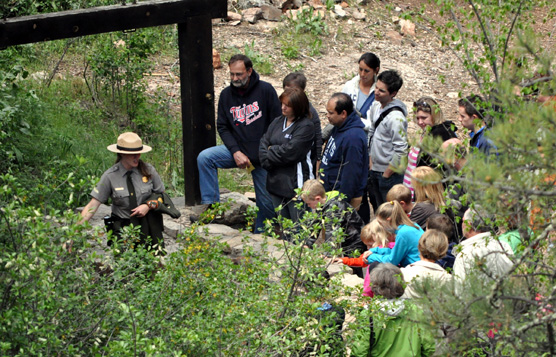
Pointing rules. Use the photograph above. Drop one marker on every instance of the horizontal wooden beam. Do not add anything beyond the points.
(76, 23)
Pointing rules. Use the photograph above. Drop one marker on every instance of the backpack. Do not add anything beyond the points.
(381, 118)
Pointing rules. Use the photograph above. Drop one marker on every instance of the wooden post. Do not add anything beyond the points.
(197, 98)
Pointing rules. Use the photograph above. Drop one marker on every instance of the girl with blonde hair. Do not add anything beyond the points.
(429, 194)
(393, 218)
(376, 238)
(379, 241)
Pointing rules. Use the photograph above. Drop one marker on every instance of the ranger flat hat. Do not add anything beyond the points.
(129, 143)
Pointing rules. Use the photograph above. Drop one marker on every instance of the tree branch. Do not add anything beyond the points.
(532, 82)
(487, 35)
(472, 71)
(505, 52)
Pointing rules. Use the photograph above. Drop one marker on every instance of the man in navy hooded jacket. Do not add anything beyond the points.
(245, 110)
(345, 161)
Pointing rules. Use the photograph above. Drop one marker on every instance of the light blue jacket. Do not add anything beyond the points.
(406, 249)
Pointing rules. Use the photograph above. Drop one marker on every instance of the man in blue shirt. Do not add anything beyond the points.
(471, 116)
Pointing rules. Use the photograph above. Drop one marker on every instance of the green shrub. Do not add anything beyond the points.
(309, 21)
(262, 63)
(199, 302)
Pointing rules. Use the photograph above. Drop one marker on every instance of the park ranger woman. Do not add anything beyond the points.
(136, 191)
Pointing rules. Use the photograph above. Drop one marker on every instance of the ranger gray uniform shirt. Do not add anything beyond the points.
(113, 183)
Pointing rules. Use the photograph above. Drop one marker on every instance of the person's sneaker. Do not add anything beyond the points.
(197, 212)
(200, 209)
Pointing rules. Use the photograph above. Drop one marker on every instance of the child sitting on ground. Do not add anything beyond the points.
(402, 194)
(393, 218)
(444, 224)
(378, 241)
(334, 214)
(425, 274)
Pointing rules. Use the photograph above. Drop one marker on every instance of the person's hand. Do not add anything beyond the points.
(370, 163)
(389, 172)
(337, 260)
(140, 211)
(366, 254)
(242, 161)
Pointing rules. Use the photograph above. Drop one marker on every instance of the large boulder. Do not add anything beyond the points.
(253, 14)
(235, 215)
(271, 13)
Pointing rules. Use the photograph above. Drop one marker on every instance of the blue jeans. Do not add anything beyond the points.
(379, 186)
(219, 157)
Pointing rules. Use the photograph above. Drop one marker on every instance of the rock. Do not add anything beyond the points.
(398, 9)
(233, 16)
(216, 62)
(234, 23)
(172, 228)
(39, 76)
(236, 213)
(247, 4)
(234, 244)
(250, 195)
(352, 281)
(394, 37)
(289, 4)
(271, 13)
(334, 269)
(280, 3)
(292, 14)
(339, 11)
(344, 4)
(452, 95)
(358, 15)
(407, 27)
(395, 19)
(217, 230)
(316, 4)
(253, 14)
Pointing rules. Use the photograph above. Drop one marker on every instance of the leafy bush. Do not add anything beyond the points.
(118, 63)
(308, 20)
(262, 63)
(199, 301)
(302, 32)
(17, 105)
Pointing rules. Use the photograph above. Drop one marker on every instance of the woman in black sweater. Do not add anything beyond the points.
(428, 116)
(285, 151)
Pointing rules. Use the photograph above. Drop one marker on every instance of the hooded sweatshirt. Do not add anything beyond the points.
(396, 331)
(245, 114)
(389, 140)
(344, 162)
(405, 250)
